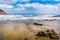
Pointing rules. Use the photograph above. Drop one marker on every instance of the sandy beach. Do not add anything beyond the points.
(21, 29)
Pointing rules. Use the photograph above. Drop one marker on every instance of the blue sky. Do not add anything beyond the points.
(42, 7)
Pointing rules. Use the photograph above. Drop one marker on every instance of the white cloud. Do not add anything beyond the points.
(40, 8)
(43, 9)
(8, 1)
(48, 9)
(23, 0)
(13, 1)
(2, 6)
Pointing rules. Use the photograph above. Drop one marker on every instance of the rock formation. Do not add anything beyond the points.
(2, 12)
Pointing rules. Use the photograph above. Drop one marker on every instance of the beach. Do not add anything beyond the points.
(22, 29)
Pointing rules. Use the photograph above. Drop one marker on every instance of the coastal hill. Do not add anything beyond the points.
(2, 12)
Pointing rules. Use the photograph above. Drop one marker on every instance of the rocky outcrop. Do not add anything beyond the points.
(2, 12)
(48, 34)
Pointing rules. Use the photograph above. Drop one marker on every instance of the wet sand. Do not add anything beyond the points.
(21, 29)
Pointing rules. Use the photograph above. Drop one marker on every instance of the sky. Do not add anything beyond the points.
(31, 7)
